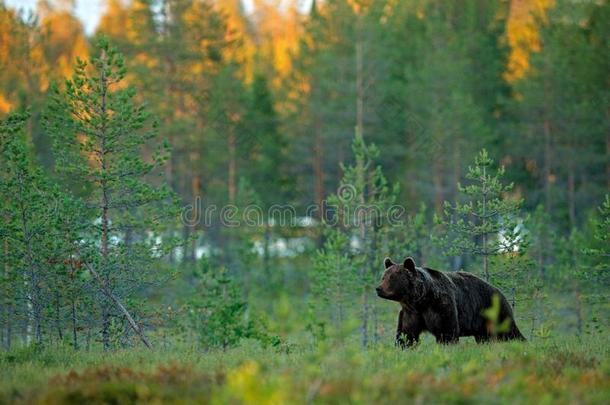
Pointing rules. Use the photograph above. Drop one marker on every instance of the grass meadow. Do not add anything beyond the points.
(544, 371)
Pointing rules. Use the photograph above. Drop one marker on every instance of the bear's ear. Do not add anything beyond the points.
(409, 264)
(387, 262)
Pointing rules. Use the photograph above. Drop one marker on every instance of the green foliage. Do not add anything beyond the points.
(492, 314)
(26, 222)
(486, 223)
(218, 312)
(560, 115)
(334, 279)
(602, 236)
(254, 120)
(99, 136)
(267, 146)
(349, 260)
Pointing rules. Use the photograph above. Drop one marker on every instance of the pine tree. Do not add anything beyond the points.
(560, 112)
(98, 135)
(334, 279)
(486, 223)
(602, 230)
(597, 248)
(442, 117)
(218, 312)
(26, 219)
(362, 202)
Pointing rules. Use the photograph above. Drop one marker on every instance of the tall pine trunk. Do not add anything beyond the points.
(437, 181)
(105, 219)
(484, 223)
(8, 304)
(232, 169)
(608, 155)
(32, 271)
(547, 166)
(362, 180)
(571, 194)
(58, 326)
(74, 324)
(318, 169)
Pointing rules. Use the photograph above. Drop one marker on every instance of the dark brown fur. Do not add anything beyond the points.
(448, 305)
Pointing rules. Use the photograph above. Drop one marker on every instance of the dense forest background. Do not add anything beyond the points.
(184, 186)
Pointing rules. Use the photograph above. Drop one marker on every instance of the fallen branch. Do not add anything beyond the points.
(118, 303)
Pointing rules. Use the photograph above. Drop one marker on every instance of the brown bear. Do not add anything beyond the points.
(448, 305)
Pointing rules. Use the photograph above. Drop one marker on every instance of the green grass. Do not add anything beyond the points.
(558, 370)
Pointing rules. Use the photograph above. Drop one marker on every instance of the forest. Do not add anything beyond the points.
(197, 198)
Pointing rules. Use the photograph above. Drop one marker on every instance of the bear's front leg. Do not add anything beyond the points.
(410, 326)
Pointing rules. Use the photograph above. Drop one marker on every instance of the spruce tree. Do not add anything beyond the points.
(485, 222)
(99, 134)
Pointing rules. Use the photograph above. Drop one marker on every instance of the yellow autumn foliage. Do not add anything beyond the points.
(115, 20)
(522, 34)
(248, 386)
(5, 105)
(64, 42)
(278, 31)
(243, 49)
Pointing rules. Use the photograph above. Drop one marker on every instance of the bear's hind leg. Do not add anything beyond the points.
(447, 338)
(447, 329)
(513, 334)
(482, 339)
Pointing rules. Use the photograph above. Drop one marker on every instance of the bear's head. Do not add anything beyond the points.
(400, 282)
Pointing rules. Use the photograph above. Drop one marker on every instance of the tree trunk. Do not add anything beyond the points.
(60, 335)
(571, 195)
(371, 257)
(186, 247)
(266, 253)
(547, 166)
(318, 169)
(105, 219)
(196, 194)
(359, 88)
(362, 180)
(363, 271)
(74, 326)
(108, 292)
(8, 304)
(231, 179)
(484, 223)
(457, 169)
(608, 157)
(437, 181)
(32, 270)
(578, 297)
